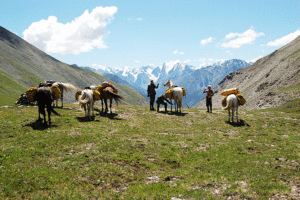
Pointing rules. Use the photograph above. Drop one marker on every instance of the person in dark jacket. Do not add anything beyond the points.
(151, 93)
(209, 94)
(162, 100)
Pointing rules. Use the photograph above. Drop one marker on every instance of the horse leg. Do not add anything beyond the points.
(44, 114)
(93, 107)
(237, 115)
(89, 110)
(180, 104)
(40, 111)
(232, 116)
(84, 108)
(102, 104)
(110, 105)
(49, 109)
(62, 97)
(229, 115)
(106, 109)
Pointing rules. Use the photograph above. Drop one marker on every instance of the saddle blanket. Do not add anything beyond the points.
(241, 100)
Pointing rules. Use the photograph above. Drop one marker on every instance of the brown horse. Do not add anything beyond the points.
(108, 91)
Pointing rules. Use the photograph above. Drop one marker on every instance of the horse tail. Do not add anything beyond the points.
(84, 98)
(229, 102)
(66, 86)
(115, 97)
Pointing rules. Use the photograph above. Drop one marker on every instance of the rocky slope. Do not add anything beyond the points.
(269, 82)
(23, 66)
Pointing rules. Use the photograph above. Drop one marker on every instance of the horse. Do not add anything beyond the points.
(86, 100)
(62, 86)
(177, 95)
(44, 98)
(232, 104)
(108, 91)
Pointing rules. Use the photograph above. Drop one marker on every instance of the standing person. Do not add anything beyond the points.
(162, 100)
(209, 94)
(151, 93)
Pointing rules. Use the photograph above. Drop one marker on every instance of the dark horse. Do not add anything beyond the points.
(44, 98)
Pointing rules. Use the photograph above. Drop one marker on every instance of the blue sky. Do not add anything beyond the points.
(118, 33)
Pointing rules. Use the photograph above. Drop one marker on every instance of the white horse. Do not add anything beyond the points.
(68, 87)
(86, 99)
(232, 104)
(176, 95)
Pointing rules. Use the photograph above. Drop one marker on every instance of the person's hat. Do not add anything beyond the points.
(209, 86)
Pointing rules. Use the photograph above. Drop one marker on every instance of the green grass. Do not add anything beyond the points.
(149, 155)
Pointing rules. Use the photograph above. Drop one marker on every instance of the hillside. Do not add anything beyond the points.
(23, 66)
(269, 82)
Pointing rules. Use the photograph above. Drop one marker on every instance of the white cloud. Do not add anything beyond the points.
(210, 59)
(285, 39)
(83, 34)
(137, 61)
(202, 60)
(230, 53)
(248, 37)
(186, 61)
(176, 52)
(135, 19)
(206, 41)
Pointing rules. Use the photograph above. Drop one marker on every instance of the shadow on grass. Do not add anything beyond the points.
(87, 119)
(39, 125)
(175, 113)
(64, 108)
(238, 124)
(108, 115)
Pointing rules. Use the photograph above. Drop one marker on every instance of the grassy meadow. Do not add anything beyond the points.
(138, 154)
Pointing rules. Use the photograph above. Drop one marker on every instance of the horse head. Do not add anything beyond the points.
(168, 83)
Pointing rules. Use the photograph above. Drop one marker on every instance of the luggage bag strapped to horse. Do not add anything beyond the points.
(96, 95)
(31, 92)
(241, 99)
(169, 92)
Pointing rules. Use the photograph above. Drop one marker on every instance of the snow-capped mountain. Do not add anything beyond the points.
(193, 79)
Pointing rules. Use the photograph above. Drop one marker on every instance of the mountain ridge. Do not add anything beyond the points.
(181, 74)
